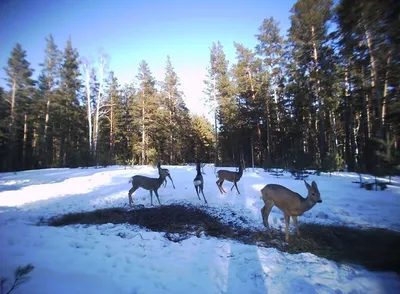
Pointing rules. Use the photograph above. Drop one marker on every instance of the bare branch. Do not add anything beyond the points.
(107, 117)
(140, 236)
(104, 112)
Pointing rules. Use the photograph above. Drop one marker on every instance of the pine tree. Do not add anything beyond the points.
(127, 128)
(173, 99)
(70, 111)
(388, 158)
(221, 100)
(18, 78)
(112, 99)
(146, 108)
(203, 138)
(4, 130)
(49, 80)
(271, 48)
(250, 81)
(308, 37)
(367, 38)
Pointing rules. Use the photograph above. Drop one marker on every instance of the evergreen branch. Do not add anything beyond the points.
(21, 276)
(7, 100)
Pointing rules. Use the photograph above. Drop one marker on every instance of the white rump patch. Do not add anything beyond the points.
(197, 183)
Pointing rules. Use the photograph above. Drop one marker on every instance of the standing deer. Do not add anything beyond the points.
(198, 182)
(291, 203)
(151, 184)
(167, 174)
(229, 176)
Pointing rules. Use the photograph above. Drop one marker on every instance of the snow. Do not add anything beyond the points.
(127, 259)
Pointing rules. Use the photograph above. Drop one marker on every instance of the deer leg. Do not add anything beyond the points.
(171, 181)
(222, 188)
(219, 186)
(197, 191)
(236, 187)
(155, 191)
(287, 224)
(296, 224)
(265, 211)
(262, 214)
(151, 197)
(201, 189)
(131, 191)
(165, 183)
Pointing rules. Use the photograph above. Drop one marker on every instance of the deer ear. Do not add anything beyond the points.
(307, 185)
(314, 185)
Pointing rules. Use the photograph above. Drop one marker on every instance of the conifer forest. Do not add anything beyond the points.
(324, 95)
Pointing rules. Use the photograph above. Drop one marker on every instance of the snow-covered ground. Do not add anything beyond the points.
(126, 259)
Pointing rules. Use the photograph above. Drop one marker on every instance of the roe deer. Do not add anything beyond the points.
(167, 174)
(198, 182)
(291, 203)
(229, 176)
(151, 184)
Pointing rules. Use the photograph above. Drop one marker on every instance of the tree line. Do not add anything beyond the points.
(324, 96)
(77, 114)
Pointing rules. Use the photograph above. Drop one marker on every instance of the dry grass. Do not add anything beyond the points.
(376, 249)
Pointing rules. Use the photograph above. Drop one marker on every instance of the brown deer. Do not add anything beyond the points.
(151, 184)
(229, 176)
(291, 203)
(167, 173)
(198, 182)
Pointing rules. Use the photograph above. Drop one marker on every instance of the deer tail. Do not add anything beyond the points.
(130, 180)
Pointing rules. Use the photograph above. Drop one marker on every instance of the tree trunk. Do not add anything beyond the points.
(268, 120)
(171, 136)
(143, 133)
(98, 106)
(215, 125)
(35, 143)
(111, 152)
(334, 140)
(374, 78)
(55, 146)
(12, 125)
(46, 121)
(385, 87)
(253, 96)
(62, 150)
(319, 99)
(312, 131)
(358, 137)
(349, 130)
(25, 141)
(89, 110)
(366, 121)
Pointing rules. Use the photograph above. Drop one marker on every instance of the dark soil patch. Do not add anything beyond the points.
(375, 249)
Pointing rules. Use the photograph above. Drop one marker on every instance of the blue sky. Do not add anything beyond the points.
(130, 31)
